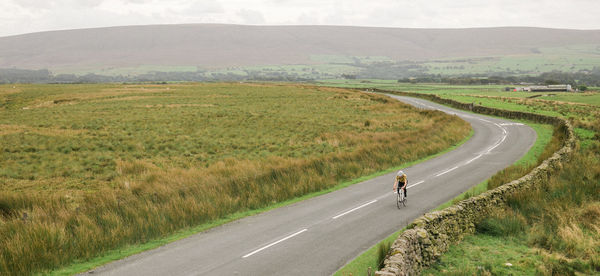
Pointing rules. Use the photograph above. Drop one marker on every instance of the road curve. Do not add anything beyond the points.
(319, 235)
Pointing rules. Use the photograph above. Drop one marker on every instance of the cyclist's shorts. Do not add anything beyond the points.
(400, 185)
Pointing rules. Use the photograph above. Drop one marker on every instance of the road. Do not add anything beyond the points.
(319, 235)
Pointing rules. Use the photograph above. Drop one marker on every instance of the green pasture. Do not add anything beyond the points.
(565, 58)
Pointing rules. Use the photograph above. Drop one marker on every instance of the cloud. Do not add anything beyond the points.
(251, 16)
(23, 16)
(49, 4)
(203, 7)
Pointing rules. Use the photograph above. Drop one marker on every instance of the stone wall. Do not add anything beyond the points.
(430, 235)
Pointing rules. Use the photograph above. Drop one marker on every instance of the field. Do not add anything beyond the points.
(582, 108)
(570, 58)
(89, 168)
(550, 230)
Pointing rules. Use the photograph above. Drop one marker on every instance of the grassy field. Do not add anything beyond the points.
(566, 58)
(86, 169)
(570, 58)
(550, 230)
(124, 71)
(582, 108)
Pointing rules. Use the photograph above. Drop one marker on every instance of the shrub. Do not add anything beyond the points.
(382, 251)
(502, 225)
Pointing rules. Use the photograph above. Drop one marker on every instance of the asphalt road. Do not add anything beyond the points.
(319, 235)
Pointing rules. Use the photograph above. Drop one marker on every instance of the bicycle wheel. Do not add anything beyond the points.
(399, 199)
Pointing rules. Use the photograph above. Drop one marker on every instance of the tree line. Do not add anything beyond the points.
(582, 78)
(404, 73)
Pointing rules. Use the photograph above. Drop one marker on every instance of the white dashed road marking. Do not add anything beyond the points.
(420, 182)
(446, 171)
(354, 209)
(274, 243)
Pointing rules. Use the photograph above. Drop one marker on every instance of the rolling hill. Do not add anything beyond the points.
(239, 49)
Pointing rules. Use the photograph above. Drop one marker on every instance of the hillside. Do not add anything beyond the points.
(214, 46)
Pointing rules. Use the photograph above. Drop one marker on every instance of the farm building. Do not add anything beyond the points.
(542, 88)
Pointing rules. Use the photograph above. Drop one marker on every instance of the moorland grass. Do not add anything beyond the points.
(119, 253)
(91, 168)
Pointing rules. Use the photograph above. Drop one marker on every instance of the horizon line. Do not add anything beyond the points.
(295, 25)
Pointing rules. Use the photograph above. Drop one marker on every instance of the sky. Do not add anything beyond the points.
(27, 16)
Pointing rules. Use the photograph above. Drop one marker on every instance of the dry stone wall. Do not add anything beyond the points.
(430, 235)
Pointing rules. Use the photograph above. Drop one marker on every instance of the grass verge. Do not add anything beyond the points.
(486, 255)
(369, 259)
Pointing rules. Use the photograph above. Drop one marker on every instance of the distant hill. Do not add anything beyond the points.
(221, 46)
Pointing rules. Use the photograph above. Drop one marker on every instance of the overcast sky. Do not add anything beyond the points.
(26, 16)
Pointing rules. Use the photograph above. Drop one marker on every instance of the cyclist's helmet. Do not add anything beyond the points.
(400, 173)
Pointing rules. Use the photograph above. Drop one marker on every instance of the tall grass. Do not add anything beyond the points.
(133, 192)
(558, 221)
(382, 252)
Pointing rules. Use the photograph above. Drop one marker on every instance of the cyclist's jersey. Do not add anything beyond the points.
(401, 178)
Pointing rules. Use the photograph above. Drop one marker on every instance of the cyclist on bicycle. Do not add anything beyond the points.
(400, 182)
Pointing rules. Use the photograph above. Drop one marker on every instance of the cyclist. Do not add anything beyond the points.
(400, 182)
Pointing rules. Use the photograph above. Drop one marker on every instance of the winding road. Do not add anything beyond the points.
(319, 235)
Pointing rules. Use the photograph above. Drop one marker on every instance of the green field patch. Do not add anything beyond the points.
(485, 255)
(124, 71)
(571, 58)
(340, 59)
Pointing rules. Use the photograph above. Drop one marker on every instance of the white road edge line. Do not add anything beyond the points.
(503, 129)
(496, 145)
(274, 243)
(501, 140)
(447, 171)
(420, 182)
(354, 209)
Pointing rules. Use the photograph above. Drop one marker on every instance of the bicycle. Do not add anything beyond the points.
(400, 199)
